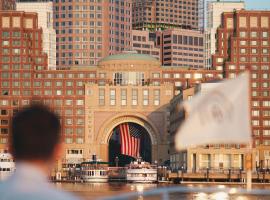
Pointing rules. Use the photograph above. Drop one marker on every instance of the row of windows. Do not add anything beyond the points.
(264, 132)
(134, 97)
(253, 43)
(187, 40)
(77, 7)
(39, 92)
(50, 76)
(253, 34)
(56, 102)
(253, 67)
(254, 51)
(72, 140)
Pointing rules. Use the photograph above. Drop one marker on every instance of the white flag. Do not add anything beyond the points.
(220, 116)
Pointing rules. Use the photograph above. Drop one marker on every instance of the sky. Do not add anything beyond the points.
(257, 4)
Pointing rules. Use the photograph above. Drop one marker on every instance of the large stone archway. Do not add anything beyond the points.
(105, 132)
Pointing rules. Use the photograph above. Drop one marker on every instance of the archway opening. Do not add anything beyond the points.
(145, 146)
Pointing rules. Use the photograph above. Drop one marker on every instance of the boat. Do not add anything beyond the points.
(7, 166)
(140, 171)
(95, 171)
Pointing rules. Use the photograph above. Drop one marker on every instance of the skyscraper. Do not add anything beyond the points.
(44, 9)
(243, 44)
(90, 30)
(181, 47)
(160, 14)
(214, 13)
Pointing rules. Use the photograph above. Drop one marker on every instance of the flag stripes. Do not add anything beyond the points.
(130, 143)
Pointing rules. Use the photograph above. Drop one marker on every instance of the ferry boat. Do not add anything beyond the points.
(7, 165)
(94, 171)
(141, 172)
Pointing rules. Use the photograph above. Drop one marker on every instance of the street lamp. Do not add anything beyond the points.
(182, 172)
(116, 161)
(207, 174)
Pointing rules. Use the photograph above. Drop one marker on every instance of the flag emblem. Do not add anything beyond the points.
(130, 137)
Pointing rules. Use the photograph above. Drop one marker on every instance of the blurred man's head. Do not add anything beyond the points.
(35, 134)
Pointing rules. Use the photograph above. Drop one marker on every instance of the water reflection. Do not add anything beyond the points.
(91, 191)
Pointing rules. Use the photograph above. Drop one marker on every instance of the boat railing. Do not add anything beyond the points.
(165, 192)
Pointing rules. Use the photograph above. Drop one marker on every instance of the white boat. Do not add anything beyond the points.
(7, 166)
(141, 172)
(94, 171)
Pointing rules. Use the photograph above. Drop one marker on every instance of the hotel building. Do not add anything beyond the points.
(243, 44)
(44, 9)
(92, 101)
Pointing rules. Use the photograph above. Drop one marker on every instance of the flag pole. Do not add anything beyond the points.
(249, 154)
(249, 167)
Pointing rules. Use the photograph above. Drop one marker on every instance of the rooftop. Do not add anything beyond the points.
(129, 56)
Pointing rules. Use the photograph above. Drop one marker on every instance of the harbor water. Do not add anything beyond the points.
(91, 191)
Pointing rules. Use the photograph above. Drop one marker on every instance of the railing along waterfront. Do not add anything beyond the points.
(164, 192)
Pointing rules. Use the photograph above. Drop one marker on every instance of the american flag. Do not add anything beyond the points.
(130, 140)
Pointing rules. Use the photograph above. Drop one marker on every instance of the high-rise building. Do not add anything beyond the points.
(44, 9)
(214, 13)
(143, 43)
(243, 44)
(181, 47)
(7, 5)
(90, 30)
(159, 14)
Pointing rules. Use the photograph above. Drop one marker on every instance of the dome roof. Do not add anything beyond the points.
(129, 56)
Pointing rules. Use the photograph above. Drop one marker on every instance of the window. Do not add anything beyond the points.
(255, 122)
(243, 51)
(156, 75)
(58, 92)
(254, 93)
(101, 97)
(253, 34)
(264, 34)
(145, 97)
(68, 140)
(79, 102)
(255, 113)
(219, 60)
(254, 51)
(68, 122)
(80, 121)
(134, 97)
(266, 122)
(69, 102)
(255, 103)
(156, 97)
(253, 43)
(266, 132)
(112, 97)
(243, 42)
(123, 97)
(266, 103)
(242, 34)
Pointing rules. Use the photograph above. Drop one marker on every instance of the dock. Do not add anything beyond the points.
(208, 176)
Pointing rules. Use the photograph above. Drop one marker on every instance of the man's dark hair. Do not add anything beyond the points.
(35, 133)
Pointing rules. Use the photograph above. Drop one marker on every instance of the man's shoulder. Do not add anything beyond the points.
(56, 194)
(11, 191)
